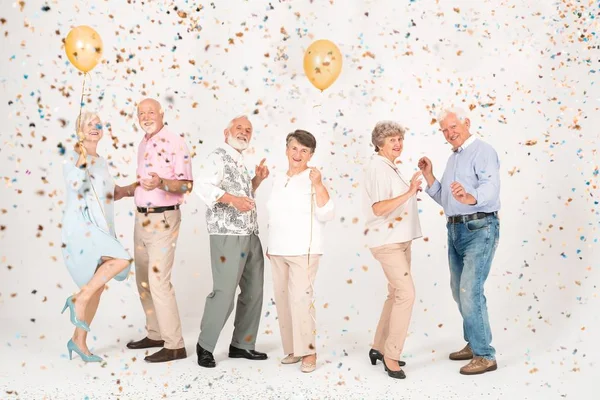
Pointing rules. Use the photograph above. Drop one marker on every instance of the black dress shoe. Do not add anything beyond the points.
(145, 343)
(375, 355)
(205, 357)
(394, 374)
(234, 352)
(164, 355)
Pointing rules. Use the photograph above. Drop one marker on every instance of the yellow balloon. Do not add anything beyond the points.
(83, 46)
(322, 63)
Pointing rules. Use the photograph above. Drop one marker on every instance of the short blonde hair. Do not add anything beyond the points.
(385, 129)
(83, 120)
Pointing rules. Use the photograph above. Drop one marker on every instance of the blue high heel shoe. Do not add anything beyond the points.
(79, 324)
(72, 347)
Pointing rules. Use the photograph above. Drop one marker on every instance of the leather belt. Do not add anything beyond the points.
(456, 219)
(154, 210)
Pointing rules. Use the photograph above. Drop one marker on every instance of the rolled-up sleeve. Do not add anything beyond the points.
(435, 191)
(325, 213)
(487, 169)
(209, 177)
(377, 187)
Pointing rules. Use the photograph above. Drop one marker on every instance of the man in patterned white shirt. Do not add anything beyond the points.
(235, 250)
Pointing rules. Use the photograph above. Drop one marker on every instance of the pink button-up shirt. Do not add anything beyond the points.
(167, 155)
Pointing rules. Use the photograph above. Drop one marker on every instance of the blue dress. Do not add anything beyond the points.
(88, 231)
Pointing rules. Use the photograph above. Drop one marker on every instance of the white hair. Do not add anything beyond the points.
(160, 108)
(83, 120)
(460, 113)
(230, 125)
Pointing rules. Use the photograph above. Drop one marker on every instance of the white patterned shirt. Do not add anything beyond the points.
(225, 172)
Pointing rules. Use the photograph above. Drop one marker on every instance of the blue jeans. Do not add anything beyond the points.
(471, 248)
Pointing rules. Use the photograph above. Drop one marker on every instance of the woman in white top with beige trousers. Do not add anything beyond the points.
(392, 224)
(298, 208)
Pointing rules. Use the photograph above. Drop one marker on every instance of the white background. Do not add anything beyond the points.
(529, 70)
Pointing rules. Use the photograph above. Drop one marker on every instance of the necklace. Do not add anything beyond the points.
(291, 176)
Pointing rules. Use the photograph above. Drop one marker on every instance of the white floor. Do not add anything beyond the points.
(34, 365)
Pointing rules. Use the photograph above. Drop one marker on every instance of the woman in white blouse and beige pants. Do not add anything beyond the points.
(392, 224)
(298, 208)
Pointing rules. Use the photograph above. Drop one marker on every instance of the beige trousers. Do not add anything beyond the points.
(292, 277)
(397, 309)
(155, 238)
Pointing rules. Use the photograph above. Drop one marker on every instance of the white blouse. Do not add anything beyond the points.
(383, 181)
(292, 228)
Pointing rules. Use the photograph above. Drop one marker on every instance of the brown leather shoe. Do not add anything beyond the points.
(461, 355)
(145, 343)
(479, 365)
(164, 355)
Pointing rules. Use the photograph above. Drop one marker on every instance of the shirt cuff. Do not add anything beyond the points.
(433, 189)
(325, 213)
(479, 198)
(209, 197)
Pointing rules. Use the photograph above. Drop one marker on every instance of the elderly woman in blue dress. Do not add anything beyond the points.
(91, 251)
(299, 207)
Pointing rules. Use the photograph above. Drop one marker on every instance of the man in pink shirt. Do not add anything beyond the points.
(164, 176)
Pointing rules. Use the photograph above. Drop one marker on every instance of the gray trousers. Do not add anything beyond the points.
(236, 261)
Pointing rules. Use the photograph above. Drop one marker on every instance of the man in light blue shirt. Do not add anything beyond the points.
(469, 192)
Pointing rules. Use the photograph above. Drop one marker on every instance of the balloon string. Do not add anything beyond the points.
(81, 108)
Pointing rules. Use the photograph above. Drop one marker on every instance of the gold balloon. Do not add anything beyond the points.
(322, 63)
(83, 47)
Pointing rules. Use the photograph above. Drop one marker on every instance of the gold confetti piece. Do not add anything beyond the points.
(533, 370)
(365, 268)
(531, 142)
(349, 281)
(440, 325)
(325, 305)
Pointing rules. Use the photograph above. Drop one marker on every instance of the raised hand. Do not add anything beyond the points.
(426, 166)
(315, 176)
(416, 182)
(262, 171)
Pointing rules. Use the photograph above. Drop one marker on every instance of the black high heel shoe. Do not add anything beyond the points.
(375, 355)
(394, 374)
